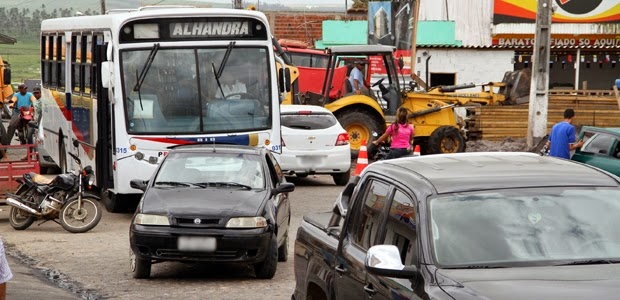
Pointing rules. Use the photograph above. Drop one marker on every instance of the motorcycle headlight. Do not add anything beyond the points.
(146, 219)
(247, 222)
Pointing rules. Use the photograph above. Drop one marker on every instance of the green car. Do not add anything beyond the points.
(601, 148)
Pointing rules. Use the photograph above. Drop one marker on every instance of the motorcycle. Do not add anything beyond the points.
(26, 115)
(62, 198)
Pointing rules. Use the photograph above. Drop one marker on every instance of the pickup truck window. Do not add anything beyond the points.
(400, 229)
(365, 225)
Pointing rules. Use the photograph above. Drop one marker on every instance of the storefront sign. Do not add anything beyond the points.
(520, 40)
(567, 11)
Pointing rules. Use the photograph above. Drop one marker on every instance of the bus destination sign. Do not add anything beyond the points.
(210, 29)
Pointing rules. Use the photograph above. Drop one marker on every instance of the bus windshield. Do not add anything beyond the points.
(180, 91)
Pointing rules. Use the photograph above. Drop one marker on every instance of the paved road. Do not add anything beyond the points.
(95, 265)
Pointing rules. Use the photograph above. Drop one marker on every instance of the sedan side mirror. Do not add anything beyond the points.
(384, 260)
(139, 184)
(285, 187)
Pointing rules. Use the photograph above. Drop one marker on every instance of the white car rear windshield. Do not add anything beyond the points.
(308, 121)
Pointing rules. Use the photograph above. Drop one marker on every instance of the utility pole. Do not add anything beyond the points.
(539, 86)
(102, 7)
(238, 4)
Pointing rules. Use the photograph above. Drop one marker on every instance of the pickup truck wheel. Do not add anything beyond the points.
(140, 268)
(283, 250)
(342, 179)
(267, 269)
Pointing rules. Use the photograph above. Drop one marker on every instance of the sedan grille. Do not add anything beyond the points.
(197, 222)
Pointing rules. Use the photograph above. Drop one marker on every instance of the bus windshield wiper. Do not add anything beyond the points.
(140, 78)
(218, 73)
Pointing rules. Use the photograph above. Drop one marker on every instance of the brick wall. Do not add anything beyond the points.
(304, 26)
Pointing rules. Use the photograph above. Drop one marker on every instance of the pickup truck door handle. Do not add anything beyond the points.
(370, 290)
(340, 270)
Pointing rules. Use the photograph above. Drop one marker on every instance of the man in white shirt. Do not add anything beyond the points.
(356, 78)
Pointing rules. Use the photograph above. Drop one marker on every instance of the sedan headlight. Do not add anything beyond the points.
(145, 219)
(248, 222)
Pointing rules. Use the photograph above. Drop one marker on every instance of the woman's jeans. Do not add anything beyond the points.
(396, 153)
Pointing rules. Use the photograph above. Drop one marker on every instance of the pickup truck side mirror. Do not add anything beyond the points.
(384, 260)
(342, 202)
(139, 184)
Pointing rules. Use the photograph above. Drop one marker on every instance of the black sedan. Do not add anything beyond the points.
(212, 203)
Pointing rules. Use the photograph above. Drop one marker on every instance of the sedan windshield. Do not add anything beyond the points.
(211, 170)
(180, 91)
(526, 227)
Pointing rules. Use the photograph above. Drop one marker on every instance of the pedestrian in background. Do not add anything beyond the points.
(402, 134)
(5, 272)
(562, 137)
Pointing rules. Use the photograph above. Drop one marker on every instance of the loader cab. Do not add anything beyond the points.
(380, 69)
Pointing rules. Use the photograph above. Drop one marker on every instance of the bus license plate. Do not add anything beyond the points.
(197, 244)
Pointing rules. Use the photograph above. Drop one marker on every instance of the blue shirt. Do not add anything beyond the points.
(22, 100)
(561, 136)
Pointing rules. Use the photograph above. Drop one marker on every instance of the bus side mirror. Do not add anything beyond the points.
(107, 74)
(7, 74)
(284, 79)
(401, 62)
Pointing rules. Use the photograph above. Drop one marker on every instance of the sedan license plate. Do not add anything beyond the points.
(196, 244)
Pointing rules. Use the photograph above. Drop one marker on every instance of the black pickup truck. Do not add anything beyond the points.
(465, 226)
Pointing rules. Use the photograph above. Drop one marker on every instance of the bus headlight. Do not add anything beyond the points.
(247, 222)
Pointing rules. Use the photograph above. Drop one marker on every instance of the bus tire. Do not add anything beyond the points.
(111, 202)
(62, 154)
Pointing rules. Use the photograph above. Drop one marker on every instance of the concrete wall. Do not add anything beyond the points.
(470, 65)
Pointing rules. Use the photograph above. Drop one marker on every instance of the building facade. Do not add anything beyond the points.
(585, 41)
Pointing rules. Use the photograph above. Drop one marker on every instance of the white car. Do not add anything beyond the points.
(313, 142)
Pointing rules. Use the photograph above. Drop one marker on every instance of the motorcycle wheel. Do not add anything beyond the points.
(82, 220)
(20, 219)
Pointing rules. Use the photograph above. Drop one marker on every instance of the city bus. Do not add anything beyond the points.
(119, 89)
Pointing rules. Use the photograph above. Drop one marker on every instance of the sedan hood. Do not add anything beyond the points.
(221, 202)
(560, 282)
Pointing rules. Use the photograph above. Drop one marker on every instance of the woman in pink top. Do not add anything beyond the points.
(402, 135)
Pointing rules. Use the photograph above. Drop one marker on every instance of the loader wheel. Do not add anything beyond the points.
(360, 126)
(446, 139)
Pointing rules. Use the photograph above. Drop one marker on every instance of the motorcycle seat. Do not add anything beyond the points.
(40, 179)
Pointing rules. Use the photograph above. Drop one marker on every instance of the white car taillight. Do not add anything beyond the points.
(282, 142)
(343, 139)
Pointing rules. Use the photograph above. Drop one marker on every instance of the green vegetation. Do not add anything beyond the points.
(24, 59)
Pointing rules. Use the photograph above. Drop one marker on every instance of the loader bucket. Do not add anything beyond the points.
(517, 89)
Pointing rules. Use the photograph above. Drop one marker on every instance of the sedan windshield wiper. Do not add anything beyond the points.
(590, 262)
(173, 183)
(222, 183)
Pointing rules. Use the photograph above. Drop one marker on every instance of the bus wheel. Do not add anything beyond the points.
(111, 202)
(62, 153)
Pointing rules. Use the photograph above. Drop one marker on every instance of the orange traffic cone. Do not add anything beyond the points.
(362, 160)
(416, 150)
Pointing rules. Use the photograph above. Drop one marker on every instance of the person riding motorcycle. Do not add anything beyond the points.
(21, 99)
